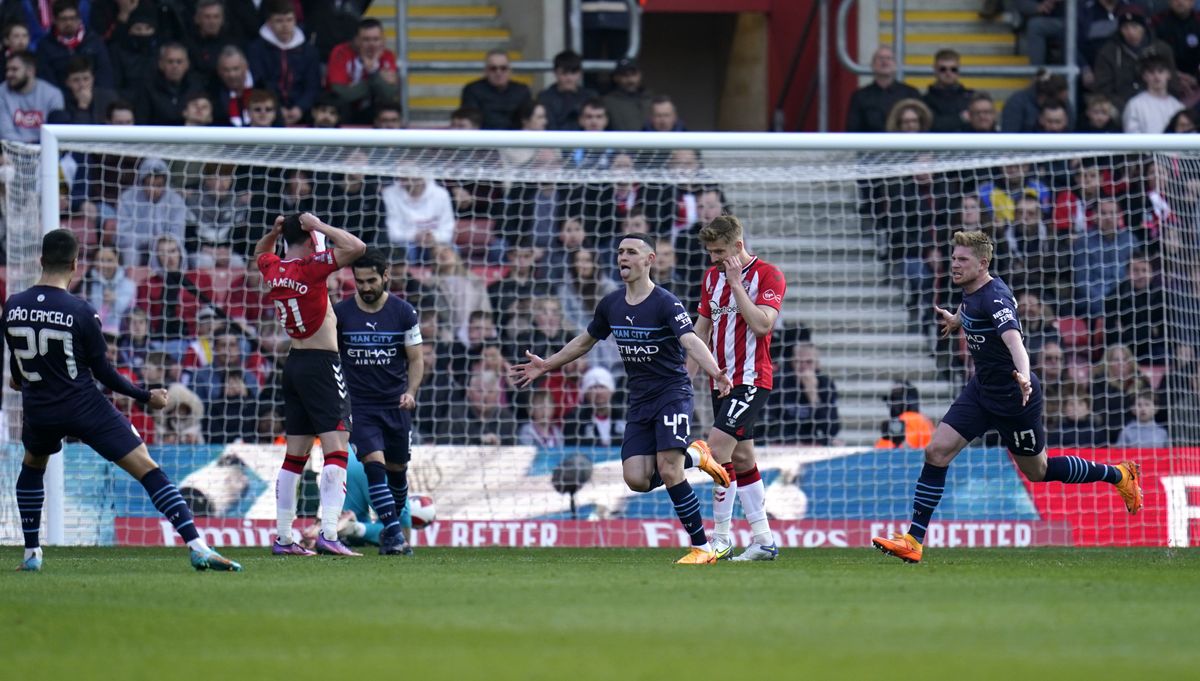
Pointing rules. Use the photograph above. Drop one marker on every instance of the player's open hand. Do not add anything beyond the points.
(408, 402)
(524, 374)
(733, 267)
(1026, 386)
(158, 399)
(724, 385)
(950, 322)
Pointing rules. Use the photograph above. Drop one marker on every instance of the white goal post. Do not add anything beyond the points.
(831, 210)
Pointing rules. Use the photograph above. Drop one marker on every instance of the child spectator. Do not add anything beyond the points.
(542, 429)
(283, 61)
(1142, 431)
(1100, 116)
(1152, 109)
(1078, 427)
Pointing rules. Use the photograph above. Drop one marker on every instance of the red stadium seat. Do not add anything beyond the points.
(1153, 373)
(473, 237)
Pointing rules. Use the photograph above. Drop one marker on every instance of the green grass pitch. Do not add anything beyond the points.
(572, 615)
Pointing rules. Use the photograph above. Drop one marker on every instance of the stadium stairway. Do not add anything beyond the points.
(931, 25)
(445, 30)
(837, 287)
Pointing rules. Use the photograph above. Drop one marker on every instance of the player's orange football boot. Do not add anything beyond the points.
(698, 556)
(902, 546)
(707, 463)
(1130, 486)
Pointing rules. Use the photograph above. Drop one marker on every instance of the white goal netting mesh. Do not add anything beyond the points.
(502, 250)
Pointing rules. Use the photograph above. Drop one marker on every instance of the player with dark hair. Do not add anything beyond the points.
(1002, 395)
(379, 336)
(56, 353)
(740, 297)
(653, 332)
(315, 399)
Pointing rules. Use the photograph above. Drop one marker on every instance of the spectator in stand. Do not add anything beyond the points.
(484, 420)
(946, 96)
(563, 101)
(1150, 110)
(593, 422)
(440, 395)
(517, 284)
(803, 407)
(1185, 121)
(167, 95)
(25, 100)
(593, 117)
(230, 392)
(1023, 107)
(869, 105)
(1041, 20)
(571, 237)
(96, 190)
(1116, 381)
(14, 38)
(1135, 313)
(460, 291)
(209, 35)
(235, 83)
(530, 117)
(1142, 430)
(1100, 116)
(1077, 426)
(1100, 259)
(909, 115)
(543, 429)
(1040, 326)
(1039, 258)
(173, 294)
(71, 37)
(1053, 118)
(263, 108)
(689, 251)
(362, 72)
(468, 345)
(584, 287)
(1179, 27)
(533, 209)
(1149, 209)
(214, 217)
(1075, 209)
(666, 269)
(284, 62)
(388, 116)
(1117, 64)
(1051, 367)
(132, 53)
(1098, 20)
(1001, 194)
(107, 288)
(148, 210)
(628, 104)
(496, 94)
(136, 344)
(664, 117)
(333, 22)
(981, 113)
(1179, 395)
(85, 103)
(325, 112)
(418, 214)
(139, 420)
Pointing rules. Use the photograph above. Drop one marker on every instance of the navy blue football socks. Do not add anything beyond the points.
(382, 497)
(31, 495)
(170, 503)
(397, 482)
(929, 490)
(1073, 470)
(687, 507)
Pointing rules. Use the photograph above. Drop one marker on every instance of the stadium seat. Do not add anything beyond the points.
(473, 237)
(1153, 373)
(81, 227)
(1081, 338)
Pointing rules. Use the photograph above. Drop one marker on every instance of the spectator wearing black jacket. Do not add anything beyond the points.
(496, 95)
(283, 62)
(1135, 314)
(163, 103)
(85, 103)
(1179, 27)
(69, 38)
(869, 105)
(946, 97)
(210, 33)
(594, 422)
(133, 54)
(802, 409)
(564, 99)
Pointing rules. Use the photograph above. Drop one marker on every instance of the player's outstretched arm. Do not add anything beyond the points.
(698, 352)
(951, 323)
(1020, 357)
(267, 243)
(525, 374)
(346, 247)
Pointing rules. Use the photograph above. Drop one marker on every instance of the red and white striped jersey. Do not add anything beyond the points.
(746, 357)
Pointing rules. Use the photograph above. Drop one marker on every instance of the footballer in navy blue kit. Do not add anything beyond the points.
(379, 338)
(654, 335)
(1003, 395)
(56, 354)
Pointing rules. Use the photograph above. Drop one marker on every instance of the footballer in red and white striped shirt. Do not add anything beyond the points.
(740, 297)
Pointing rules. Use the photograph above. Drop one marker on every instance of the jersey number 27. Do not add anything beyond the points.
(38, 343)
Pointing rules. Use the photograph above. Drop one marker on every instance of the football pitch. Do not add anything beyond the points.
(605, 614)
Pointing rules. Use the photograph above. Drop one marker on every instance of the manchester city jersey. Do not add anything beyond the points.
(647, 336)
(986, 314)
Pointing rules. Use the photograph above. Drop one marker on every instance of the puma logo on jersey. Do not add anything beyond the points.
(629, 319)
(372, 325)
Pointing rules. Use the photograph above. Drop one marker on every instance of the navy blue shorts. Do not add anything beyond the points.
(95, 422)
(382, 429)
(1021, 428)
(658, 430)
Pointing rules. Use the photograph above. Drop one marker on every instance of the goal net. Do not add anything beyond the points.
(506, 247)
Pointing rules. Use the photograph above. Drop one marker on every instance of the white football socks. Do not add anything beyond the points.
(333, 497)
(723, 501)
(754, 503)
(285, 504)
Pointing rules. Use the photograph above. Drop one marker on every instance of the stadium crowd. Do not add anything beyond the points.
(496, 268)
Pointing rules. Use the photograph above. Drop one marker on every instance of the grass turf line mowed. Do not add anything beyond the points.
(605, 614)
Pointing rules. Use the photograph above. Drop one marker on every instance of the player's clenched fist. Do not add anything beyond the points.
(158, 399)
